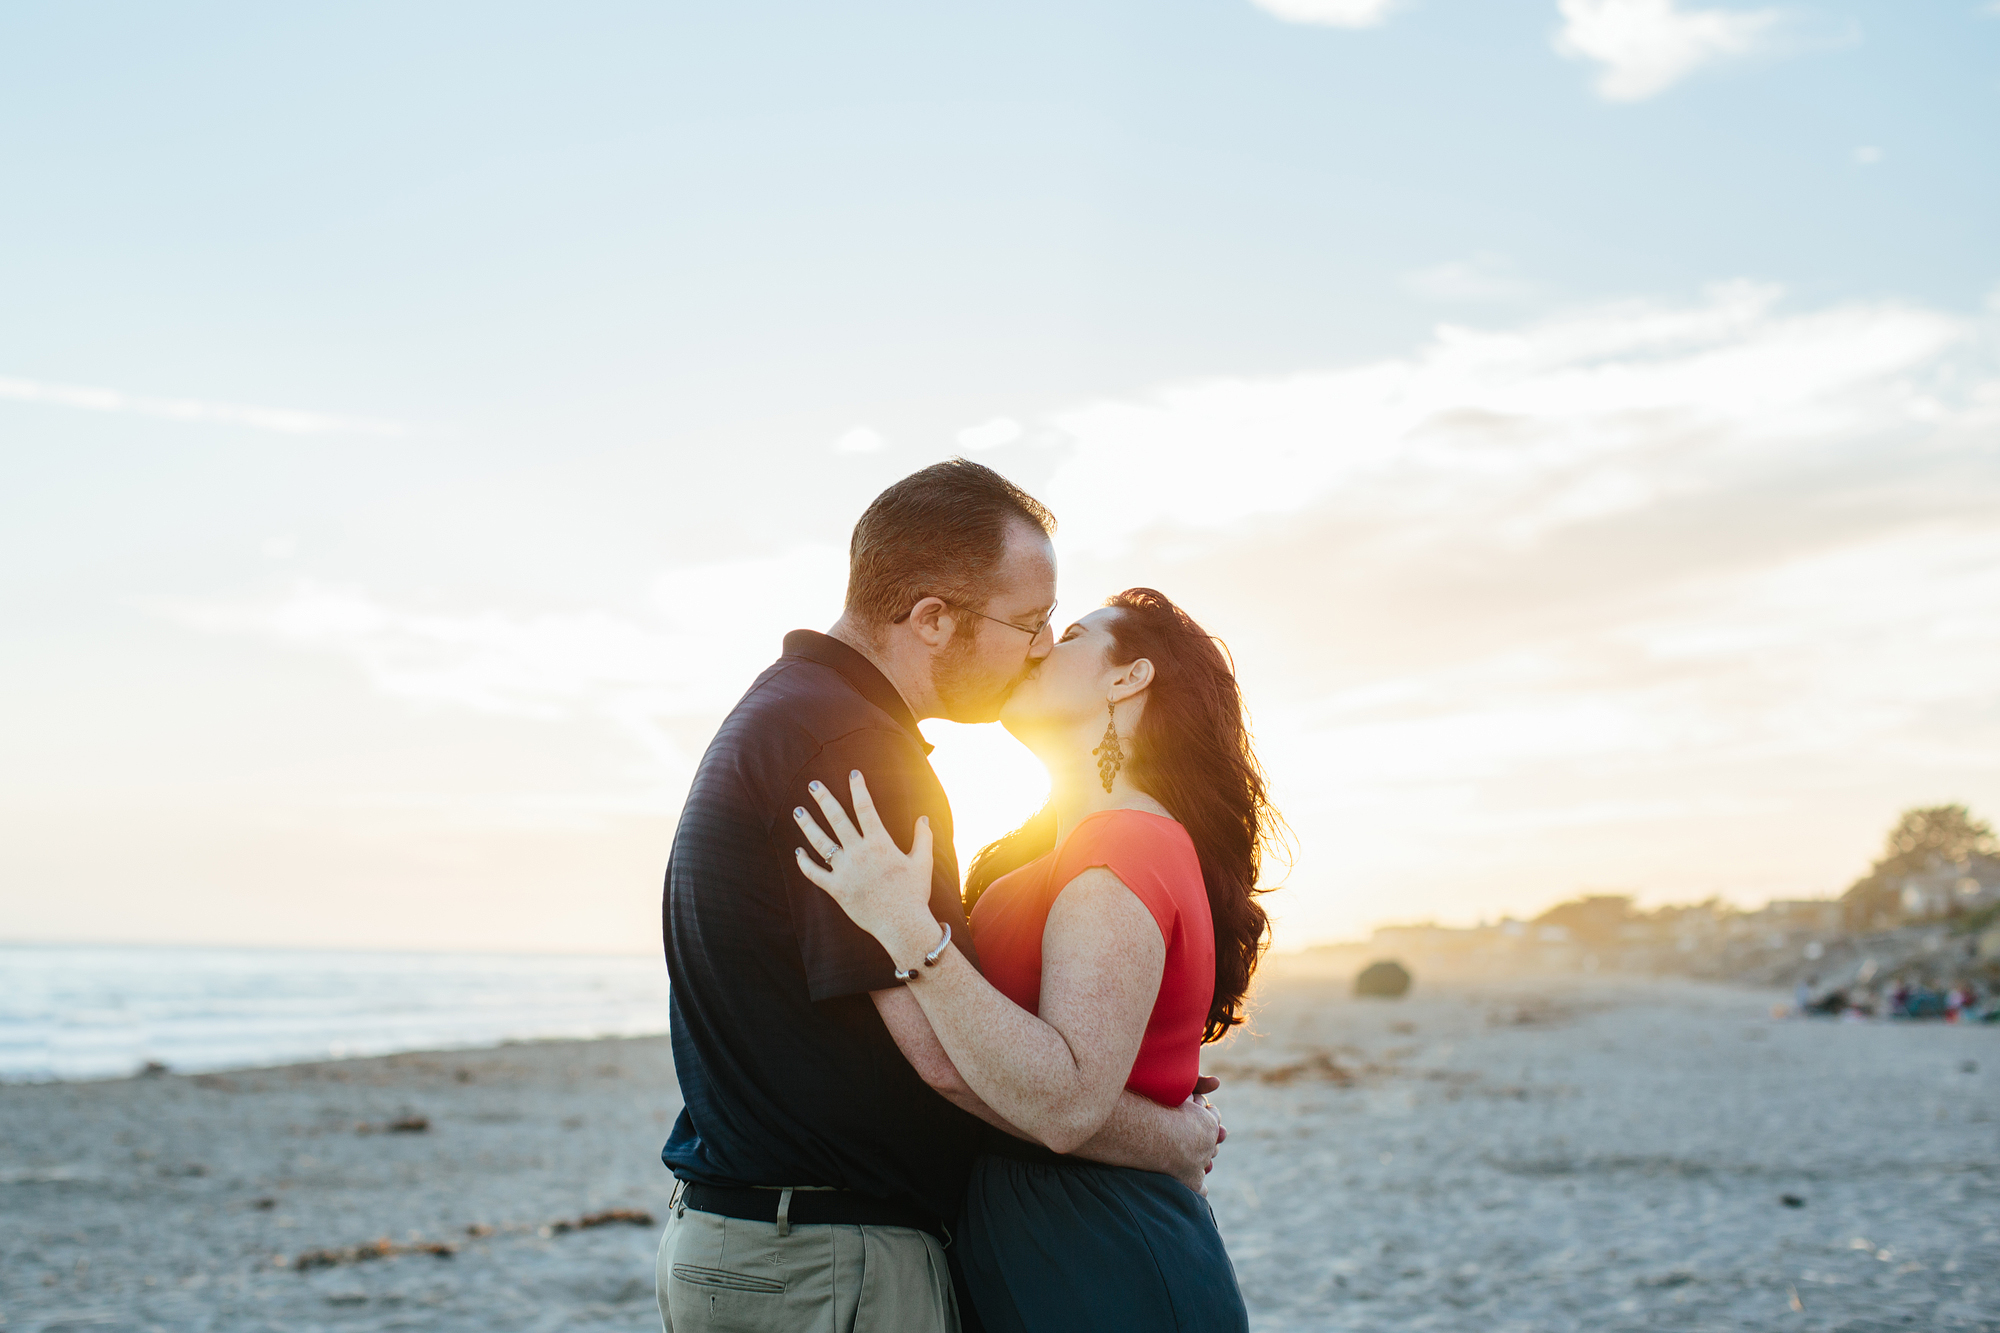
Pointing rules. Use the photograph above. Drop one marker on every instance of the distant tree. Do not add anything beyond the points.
(1923, 839)
(1933, 836)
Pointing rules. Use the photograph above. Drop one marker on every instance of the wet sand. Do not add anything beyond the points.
(1495, 1157)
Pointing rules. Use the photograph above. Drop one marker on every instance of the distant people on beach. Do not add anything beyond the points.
(899, 1118)
(1960, 1001)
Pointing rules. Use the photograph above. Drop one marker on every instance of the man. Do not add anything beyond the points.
(826, 1139)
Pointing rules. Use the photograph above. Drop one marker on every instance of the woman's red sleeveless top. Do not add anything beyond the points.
(1154, 858)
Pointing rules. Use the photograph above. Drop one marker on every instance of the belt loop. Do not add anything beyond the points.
(675, 1204)
(785, 1212)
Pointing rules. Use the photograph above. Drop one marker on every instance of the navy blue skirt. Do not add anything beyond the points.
(1051, 1245)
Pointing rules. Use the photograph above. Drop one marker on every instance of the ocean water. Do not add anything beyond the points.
(79, 1011)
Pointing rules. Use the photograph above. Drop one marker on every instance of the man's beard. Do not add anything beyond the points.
(966, 694)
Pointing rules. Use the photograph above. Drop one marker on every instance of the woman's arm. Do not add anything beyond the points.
(1056, 1076)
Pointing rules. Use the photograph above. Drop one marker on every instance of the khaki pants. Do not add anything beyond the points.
(723, 1275)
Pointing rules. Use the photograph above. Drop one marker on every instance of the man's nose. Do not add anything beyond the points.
(1042, 644)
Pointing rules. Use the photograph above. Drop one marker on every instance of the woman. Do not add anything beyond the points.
(1118, 928)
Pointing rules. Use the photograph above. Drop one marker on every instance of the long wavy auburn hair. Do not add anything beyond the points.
(1190, 752)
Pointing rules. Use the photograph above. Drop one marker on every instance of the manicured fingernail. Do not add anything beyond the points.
(853, 773)
(798, 812)
(815, 785)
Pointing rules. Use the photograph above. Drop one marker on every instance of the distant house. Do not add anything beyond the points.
(1949, 889)
(1791, 915)
(1941, 889)
(1692, 928)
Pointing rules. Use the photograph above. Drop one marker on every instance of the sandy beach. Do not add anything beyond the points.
(1657, 1155)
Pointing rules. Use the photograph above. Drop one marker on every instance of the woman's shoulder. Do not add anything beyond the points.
(1151, 855)
(1129, 825)
(1128, 843)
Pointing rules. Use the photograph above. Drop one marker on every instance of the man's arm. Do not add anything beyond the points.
(1176, 1141)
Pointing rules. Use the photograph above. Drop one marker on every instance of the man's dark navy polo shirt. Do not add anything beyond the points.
(787, 1074)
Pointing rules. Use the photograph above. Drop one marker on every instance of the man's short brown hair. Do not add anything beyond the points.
(940, 532)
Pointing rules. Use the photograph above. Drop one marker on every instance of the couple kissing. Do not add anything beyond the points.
(914, 1107)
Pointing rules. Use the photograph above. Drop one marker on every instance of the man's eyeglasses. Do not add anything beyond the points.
(1032, 634)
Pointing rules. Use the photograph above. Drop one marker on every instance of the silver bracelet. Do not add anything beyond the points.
(930, 959)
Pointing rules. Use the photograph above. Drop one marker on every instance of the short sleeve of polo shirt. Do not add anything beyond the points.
(839, 957)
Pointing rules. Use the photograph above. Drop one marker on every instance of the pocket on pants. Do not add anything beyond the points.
(725, 1279)
(700, 1299)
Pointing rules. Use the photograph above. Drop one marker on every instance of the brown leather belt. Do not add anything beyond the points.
(811, 1208)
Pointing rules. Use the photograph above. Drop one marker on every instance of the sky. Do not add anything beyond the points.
(1581, 418)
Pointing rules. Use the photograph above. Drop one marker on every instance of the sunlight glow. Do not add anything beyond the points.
(993, 781)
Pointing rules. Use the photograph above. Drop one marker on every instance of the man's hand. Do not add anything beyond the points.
(1198, 1136)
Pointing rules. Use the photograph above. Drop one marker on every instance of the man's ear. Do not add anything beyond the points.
(933, 621)
(1132, 679)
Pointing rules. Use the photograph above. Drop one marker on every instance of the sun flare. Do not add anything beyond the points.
(992, 780)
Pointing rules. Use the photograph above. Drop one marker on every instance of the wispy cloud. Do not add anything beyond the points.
(1665, 577)
(990, 435)
(1653, 574)
(708, 631)
(1330, 13)
(1647, 46)
(1559, 421)
(287, 421)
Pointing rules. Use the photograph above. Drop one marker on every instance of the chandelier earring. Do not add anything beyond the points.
(1110, 754)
